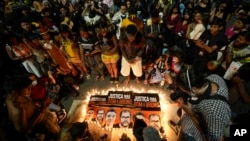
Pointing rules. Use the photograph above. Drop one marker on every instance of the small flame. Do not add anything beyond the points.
(166, 107)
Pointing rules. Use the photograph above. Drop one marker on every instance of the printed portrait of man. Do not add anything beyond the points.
(89, 115)
(99, 117)
(110, 119)
(155, 121)
(125, 120)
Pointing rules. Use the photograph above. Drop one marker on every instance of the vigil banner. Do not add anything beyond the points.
(120, 98)
(96, 100)
(118, 109)
(113, 114)
(117, 117)
(146, 101)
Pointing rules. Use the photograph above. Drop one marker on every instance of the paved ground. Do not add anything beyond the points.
(91, 86)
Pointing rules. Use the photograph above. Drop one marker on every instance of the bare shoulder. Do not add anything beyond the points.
(13, 111)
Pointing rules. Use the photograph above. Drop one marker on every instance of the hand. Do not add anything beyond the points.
(131, 61)
(237, 80)
(170, 26)
(47, 102)
(199, 43)
(151, 35)
(105, 53)
(137, 58)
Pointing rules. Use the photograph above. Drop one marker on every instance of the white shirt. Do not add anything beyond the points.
(197, 31)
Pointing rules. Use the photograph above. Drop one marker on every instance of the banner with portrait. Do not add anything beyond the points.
(118, 109)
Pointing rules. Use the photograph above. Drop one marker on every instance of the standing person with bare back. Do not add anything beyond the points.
(23, 113)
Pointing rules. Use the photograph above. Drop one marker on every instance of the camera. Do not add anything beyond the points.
(164, 57)
(153, 72)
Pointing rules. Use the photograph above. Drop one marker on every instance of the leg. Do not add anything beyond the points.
(125, 70)
(126, 81)
(94, 72)
(115, 72)
(110, 70)
(137, 70)
(100, 70)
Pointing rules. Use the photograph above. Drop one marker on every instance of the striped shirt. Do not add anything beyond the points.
(188, 127)
(216, 113)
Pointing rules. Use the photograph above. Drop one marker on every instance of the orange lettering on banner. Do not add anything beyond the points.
(139, 104)
(125, 101)
(112, 101)
(152, 104)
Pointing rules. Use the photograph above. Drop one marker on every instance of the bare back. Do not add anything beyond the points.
(21, 110)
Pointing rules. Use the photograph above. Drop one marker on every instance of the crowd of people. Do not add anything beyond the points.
(198, 48)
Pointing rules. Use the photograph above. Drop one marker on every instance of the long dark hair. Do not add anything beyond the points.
(16, 82)
(188, 78)
(177, 7)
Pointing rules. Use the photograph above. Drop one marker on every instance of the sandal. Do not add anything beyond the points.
(111, 80)
(116, 80)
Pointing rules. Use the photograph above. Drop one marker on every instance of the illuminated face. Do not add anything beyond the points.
(197, 17)
(46, 13)
(155, 122)
(128, 4)
(65, 34)
(123, 9)
(100, 115)
(110, 118)
(84, 34)
(240, 41)
(175, 10)
(214, 29)
(186, 16)
(63, 11)
(131, 38)
(26, 91)
(25, 26)
(89, 114)
(125, 119)
(223, 6)
(46, 36)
